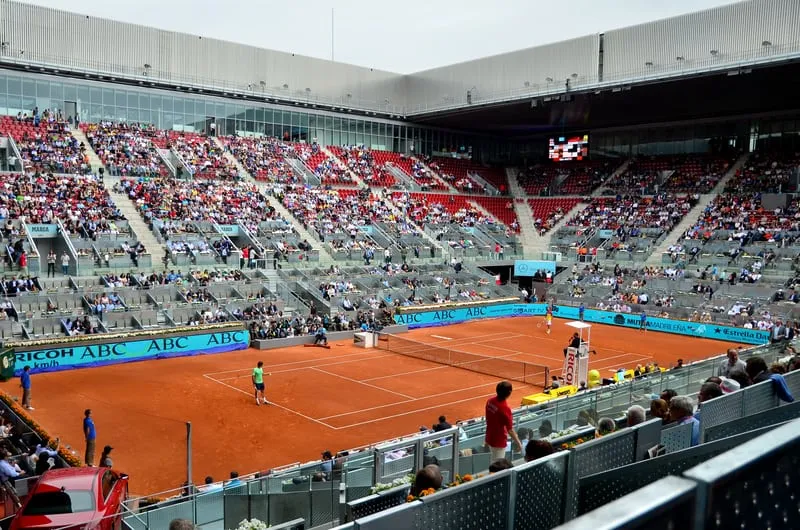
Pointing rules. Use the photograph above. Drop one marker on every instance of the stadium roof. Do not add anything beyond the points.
(754, 32)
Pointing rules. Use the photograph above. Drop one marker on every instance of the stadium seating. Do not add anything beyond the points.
(764, 172)
(438, 208)
(565, 178)
(662, 212)
(76, 201)
(45, 144)
(264, 157)
(186, 201)
(202, 156)
(363, 163)
(547, 212)
(126, 149)
(457, 171)
(410, 167)
(325, 167)
(674, 173)
(502, 208)
(454, 171)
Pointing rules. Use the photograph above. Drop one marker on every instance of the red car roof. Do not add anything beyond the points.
(71, 478)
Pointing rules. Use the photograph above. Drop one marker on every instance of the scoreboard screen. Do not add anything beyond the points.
(564, 149)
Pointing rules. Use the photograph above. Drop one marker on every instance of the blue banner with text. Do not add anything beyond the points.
(627, 320)
(83, 356)
(529, 267)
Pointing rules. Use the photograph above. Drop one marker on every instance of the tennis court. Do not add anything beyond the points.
(333, 399)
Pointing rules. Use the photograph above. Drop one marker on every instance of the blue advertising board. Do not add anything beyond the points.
(529, 267)
(229, 230)
(42, 230)
(83, 356)
(627, 320)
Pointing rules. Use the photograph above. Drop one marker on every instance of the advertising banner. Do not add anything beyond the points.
(627, 320)
(83, 356)
(43, 230)
(529, 267)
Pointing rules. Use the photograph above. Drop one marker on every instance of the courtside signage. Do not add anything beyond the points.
(531, 267)
(627, 320)
(77, 356)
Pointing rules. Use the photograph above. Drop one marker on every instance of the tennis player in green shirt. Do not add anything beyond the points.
(258, 383)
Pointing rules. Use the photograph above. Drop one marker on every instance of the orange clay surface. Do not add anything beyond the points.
(337, 398)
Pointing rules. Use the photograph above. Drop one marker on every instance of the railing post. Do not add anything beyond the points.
(189, 454)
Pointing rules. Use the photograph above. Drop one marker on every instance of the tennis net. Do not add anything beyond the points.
(509, 369)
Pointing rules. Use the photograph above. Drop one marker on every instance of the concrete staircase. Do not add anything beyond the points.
(125, 205)
(513, 183)
(232, 159)
(620, 170)
(137, 224)
(94, 160)
(529, 236)
(691, 217)
(567, 216)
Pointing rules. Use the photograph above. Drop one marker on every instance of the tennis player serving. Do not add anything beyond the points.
(258, 383)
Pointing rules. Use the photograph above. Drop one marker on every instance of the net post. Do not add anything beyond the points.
(546, 377)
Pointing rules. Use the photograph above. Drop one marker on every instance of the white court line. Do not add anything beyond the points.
(362, 383)
(300, 368)
(411, 372)
(292, 363)
(439, 406)
(517, 352)
(440, 337)
(273, 404)
(409, 401)
(467, 339)
(364, 354)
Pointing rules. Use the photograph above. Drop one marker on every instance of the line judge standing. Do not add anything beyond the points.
(90, 434)
(25, 384)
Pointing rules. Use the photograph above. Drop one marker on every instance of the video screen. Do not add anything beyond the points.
(565, 149)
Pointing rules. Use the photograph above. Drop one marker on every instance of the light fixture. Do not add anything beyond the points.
(714, 52)
(766, 43)
(549, 79)
(527, 84)
(648, 63)
(308, 90)
(679, 58)
(574, 76)
(285, 86)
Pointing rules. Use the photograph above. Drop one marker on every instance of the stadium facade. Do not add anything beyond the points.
(496, 107)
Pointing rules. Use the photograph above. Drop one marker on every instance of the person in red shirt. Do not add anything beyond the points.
(500, 423)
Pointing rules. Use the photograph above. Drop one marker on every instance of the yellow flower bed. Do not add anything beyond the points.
(68, 457)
